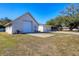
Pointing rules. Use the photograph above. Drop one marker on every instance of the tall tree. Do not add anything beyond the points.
(69, 17)
(72, 12)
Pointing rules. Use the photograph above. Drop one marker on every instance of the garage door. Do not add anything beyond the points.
(27, 27)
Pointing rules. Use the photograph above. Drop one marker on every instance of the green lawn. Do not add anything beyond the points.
(22, 44)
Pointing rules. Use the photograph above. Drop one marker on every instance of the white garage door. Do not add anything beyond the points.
(27, 27)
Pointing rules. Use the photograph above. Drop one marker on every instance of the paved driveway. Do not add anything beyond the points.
(43, 35)
(74, 33)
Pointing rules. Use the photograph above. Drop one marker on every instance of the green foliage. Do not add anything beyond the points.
(69, 17)
(50, 22)
(57, 21)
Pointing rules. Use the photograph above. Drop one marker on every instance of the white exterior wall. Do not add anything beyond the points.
(18, 23)
(9, 29)
(43, 28)
(40, 28)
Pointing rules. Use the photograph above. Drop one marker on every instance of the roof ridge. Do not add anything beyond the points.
(23, 15)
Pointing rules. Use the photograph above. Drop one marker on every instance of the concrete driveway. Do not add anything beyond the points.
(43, 35)
(63, 32)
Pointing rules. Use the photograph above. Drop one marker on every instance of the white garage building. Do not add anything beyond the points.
(44, 28)
(24, 24)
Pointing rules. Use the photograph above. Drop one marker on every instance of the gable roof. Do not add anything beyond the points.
(8, 24)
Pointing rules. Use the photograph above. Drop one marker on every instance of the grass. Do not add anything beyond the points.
(26, 45)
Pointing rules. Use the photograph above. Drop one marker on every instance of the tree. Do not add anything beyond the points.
(72, 14)
(69, 17)
(50, 22)
(57, 22)
(60, 20)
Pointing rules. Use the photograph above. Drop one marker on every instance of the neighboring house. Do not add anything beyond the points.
(66, 28)
(44, 28)
(23, 24)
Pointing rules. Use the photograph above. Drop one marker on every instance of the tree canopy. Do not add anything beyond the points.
(69, 17)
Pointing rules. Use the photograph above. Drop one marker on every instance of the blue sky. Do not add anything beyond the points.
(42, 12)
